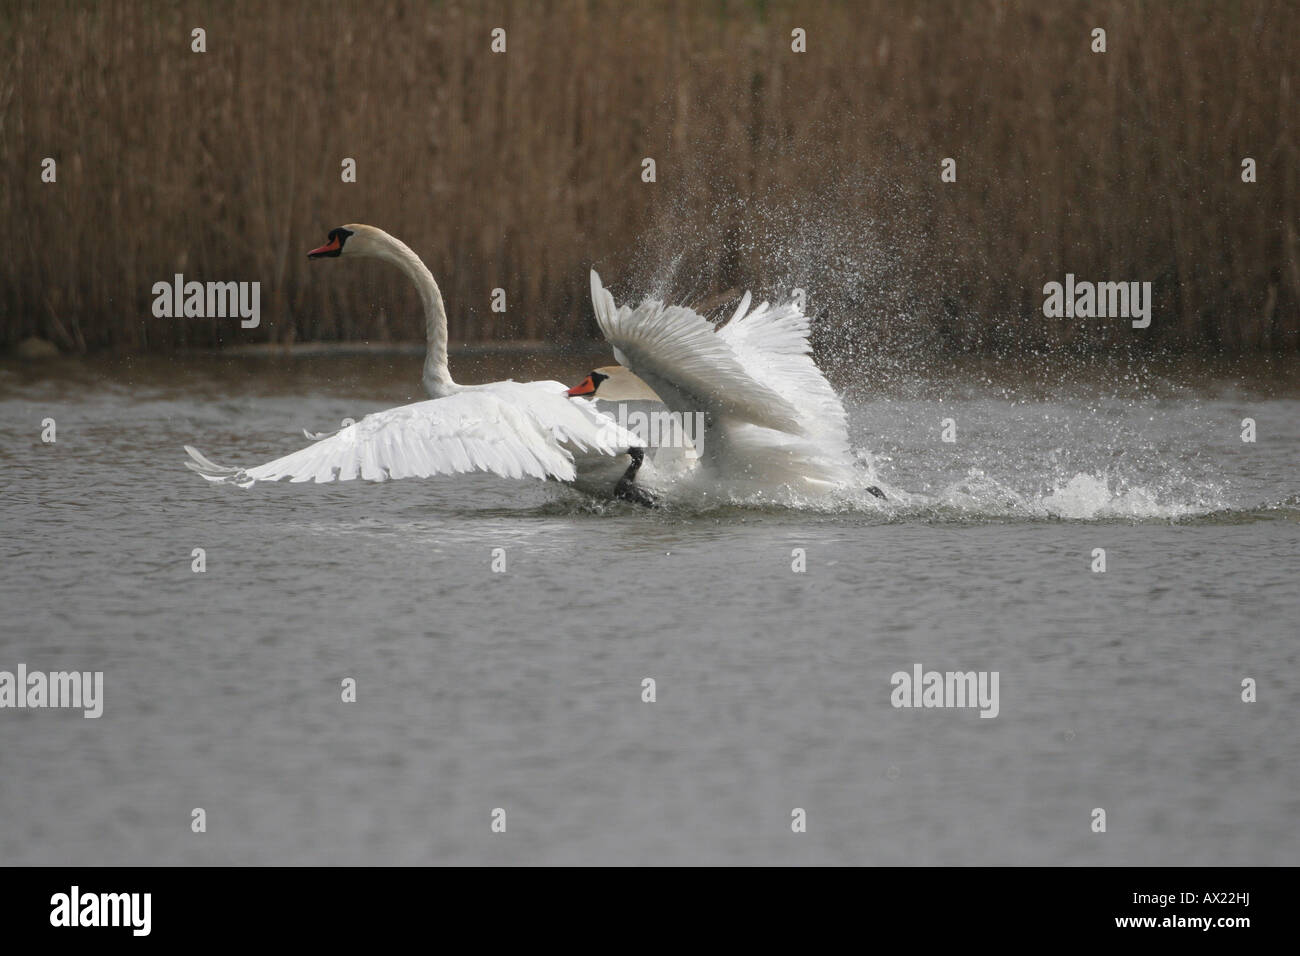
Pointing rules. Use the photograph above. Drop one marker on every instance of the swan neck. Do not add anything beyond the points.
(437, 376)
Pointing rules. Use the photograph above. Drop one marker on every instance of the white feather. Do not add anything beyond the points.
(512, 429)
(772, 416)
(676, 351)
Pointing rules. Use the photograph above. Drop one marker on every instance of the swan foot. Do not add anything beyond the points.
(627, 489)
(877, 492)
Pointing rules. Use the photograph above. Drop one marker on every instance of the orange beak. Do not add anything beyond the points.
(332, 246)
(586, 387)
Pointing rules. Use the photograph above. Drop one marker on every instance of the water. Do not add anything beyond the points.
(522, 690)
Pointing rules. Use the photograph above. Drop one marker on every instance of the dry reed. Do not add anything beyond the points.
(774, 169)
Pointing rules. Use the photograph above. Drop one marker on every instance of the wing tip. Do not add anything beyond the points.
(201, 460)
(209, 469)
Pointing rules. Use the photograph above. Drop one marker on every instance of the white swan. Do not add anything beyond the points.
(512, 429)
(770, 415)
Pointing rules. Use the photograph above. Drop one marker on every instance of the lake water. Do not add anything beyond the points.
(522, 690)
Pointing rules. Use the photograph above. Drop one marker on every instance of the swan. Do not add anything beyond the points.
(670, 440)
(770, 415)
(512, 429)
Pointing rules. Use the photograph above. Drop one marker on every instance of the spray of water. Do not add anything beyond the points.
(1040, 434)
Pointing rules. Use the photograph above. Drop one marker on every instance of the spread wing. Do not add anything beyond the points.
(679, 355)
(771, 342)
(511, 429)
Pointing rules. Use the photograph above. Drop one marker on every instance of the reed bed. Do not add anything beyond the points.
(774, 170)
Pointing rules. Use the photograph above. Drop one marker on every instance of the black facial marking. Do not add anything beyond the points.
(341, 235)
(596, 379)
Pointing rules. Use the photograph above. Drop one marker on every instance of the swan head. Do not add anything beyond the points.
(588, 385)
(613, 383)
(354, 241)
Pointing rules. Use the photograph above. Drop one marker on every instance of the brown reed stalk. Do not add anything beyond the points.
(775, 169)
